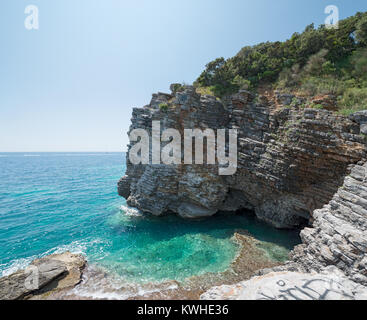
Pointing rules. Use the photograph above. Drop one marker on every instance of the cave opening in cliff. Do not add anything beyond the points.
(277, 213)
(298, 222)
(277, 242)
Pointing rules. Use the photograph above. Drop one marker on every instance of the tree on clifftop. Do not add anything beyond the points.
(361, 31)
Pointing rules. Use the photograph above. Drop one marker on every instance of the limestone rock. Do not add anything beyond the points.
(284, 99)
(328, 102)
(54, 272)
(22, 283)
(123, 187)
(297, 167)
(359, 116)
(291, 161)
(74, 263)
(189, 210)
(339, 231)
(329, 285)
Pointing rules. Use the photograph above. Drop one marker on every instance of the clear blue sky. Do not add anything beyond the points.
(70, 86)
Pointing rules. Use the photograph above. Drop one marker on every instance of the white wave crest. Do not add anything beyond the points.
(76, 247)
(99, 284)
(15, 265)
(131, 212)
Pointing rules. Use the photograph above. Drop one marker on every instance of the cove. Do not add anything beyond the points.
(150, 249)
(56, 202)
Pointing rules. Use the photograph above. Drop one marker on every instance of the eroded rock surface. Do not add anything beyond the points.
(339, 232)
(328, 285)
(42, 276)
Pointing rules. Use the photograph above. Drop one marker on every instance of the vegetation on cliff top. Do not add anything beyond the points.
(316, 61)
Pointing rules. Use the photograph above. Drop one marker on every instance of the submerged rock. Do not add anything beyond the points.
(49, 274)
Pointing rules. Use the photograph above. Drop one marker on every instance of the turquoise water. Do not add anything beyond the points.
(53, 202)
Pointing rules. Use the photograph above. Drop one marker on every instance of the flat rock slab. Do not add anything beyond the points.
(54, 272)
(23, 282)
(328, 285)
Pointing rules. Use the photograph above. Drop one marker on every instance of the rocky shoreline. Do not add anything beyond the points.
(68, 277)
(332, 256)
(298, 167)
(252, 275)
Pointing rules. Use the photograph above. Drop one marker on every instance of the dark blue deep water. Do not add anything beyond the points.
(53, 202)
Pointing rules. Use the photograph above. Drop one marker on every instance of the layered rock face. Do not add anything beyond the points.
(339, 233)
(189, 190)
(331, 262)
(291, 159)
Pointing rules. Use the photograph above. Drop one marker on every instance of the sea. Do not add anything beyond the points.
(57, 202)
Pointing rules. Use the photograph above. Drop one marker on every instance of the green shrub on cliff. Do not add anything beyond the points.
(317, 106)
(205, 91)
(354, 99)
(289, 77)
(358, 63)
(314, 65)
(164, 107)
(322, 85)
(315, 53)
(177, 87)
(361, 30)
(354, 96)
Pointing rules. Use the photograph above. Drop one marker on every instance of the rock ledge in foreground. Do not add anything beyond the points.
(42, 276)
(328, 285)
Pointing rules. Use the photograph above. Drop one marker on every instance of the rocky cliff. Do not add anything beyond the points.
(291, 159)
(297, 167)
(331, 262)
